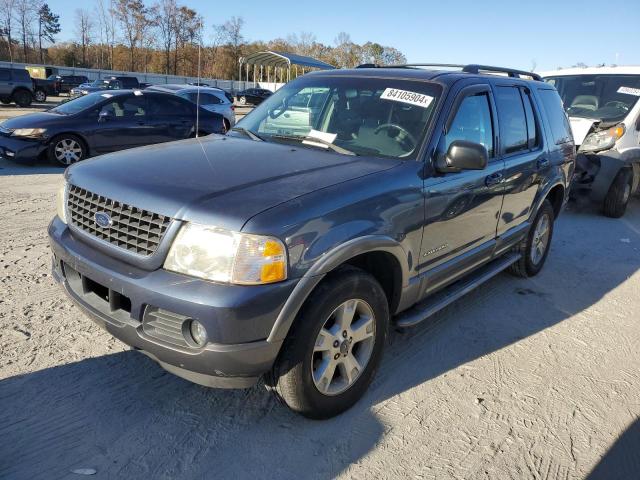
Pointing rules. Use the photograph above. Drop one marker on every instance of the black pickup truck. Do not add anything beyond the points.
(42, 88)
(348, 203)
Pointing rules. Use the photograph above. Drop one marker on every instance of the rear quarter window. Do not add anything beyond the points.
(21, 75)
(556, 116)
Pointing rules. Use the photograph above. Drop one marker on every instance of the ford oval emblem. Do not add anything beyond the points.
(102, 219)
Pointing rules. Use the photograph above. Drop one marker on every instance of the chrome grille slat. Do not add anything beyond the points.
(133, 229)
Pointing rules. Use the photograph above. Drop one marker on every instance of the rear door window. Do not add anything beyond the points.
(512, 120)
(560, 128)
(5, 74)
(532, 121)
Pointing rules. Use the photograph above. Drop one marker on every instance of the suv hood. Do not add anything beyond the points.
(216, 180)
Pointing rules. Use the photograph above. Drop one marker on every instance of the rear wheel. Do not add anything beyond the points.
(333, 349)
(617, 199)
(535, 248)
(5, 101)
(22, 98)
(66, 149)
(226, 126)
(40, 96)
(243, 100)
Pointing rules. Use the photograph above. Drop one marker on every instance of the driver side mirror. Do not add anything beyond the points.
(463, 155)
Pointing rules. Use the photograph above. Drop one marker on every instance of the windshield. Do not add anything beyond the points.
(79, 104)
(604, 97)
(361, 116)
(100, 83)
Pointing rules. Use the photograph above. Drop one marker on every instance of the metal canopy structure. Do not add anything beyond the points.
(278, 62)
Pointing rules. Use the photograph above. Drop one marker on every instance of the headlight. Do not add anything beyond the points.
(28, 132)
(61, 202)
(602, 140)
(220, 255)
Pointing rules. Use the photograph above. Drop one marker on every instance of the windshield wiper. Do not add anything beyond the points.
(320, 141)
(253, 136)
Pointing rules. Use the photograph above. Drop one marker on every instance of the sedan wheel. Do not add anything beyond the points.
(66, 150)
(243, 100)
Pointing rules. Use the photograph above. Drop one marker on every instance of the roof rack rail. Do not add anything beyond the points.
(472, 68)
(509, 71)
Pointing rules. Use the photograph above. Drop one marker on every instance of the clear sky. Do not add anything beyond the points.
(505, 33)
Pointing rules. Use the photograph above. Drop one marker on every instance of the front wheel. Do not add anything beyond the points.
(40, 96)
(242, 101)
(535, 247)
(334, 347)
(617, 199)
(66, 149)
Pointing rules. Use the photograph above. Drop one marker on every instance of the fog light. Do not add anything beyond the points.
(198, 333)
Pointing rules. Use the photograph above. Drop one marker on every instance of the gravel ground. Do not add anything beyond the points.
(535, 378)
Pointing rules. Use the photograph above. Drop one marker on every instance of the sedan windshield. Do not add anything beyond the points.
(603, 97)
(79, 104)
(358, 116)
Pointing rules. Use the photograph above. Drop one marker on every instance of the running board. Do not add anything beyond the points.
(450, 294)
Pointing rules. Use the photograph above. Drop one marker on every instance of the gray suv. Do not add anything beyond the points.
(16, 86)
(349, 202)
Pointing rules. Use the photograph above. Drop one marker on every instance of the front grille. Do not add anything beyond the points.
(133, 229)
(164, 325)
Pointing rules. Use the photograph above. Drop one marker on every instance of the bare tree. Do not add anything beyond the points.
(303, 43)
(84, 26)
(232, 36)
(166, 13)
(26, 13)
(133, 18)
(6, 17)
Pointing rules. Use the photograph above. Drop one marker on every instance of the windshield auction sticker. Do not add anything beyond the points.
(630, 91)
(404, 96)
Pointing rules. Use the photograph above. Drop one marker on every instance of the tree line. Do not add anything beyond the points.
(165, 37)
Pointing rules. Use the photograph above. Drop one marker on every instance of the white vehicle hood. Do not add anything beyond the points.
(580, 127)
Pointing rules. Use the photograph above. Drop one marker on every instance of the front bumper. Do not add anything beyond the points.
(238, 319)
(21, 150)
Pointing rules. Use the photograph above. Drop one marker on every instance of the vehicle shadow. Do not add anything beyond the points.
(125, 417)
(8, 168)
(622, 460)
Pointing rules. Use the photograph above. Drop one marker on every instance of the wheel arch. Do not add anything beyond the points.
(374, 254)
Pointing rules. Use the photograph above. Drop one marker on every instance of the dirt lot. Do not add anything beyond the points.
(531, 378)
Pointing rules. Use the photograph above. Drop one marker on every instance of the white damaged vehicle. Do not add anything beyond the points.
(604, 112)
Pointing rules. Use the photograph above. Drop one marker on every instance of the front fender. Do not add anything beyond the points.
(325, 264)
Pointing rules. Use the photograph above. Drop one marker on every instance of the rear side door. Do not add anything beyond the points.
(172, 117)
(462, 208)
(521, 148)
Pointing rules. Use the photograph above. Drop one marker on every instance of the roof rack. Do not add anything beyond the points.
(471, 68)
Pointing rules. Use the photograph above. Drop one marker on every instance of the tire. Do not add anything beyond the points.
(532, 259)
(292, 377)
(66, 149)
(5, 101)
(40, 96)
(23, 98)
(242, 100)
(226, 125)
(617, 199)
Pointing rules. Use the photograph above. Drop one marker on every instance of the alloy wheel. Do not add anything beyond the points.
(40, 96)
(540, 240)
(343, 347)
(67, 151)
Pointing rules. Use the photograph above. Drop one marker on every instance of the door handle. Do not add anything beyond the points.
(493, 179)
(543, 163)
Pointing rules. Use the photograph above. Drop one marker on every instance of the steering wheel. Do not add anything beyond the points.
(403, 133)
(617, 104)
